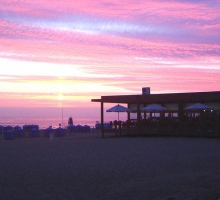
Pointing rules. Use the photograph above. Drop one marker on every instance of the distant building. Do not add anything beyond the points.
(70, 121)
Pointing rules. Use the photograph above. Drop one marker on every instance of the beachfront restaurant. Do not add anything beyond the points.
(186, 114)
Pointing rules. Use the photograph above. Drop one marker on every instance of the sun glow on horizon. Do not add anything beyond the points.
(60, 97)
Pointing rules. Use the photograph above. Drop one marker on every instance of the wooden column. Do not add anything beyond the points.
(162, 115)
(128, 113)
(102, 119)
(145, 113)
(138, 118)
(180, 112)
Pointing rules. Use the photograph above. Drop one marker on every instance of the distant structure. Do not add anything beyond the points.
(146, 90)
(70, 121)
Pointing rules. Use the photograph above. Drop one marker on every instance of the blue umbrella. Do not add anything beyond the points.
(118, 108)
(154, 108)
(198, 106)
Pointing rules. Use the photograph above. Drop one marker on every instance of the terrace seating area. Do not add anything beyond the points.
(172, 127)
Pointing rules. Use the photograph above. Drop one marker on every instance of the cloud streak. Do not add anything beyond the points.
(102, 47)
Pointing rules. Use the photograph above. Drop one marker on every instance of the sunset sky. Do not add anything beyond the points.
(65, 53)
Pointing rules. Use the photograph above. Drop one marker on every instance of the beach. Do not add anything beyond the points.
(86, 166)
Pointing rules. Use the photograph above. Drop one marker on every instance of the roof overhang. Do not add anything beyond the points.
(162, 98)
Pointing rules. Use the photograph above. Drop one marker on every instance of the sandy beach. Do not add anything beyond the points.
(85, 166)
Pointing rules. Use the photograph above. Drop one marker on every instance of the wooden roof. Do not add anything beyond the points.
(192, 97)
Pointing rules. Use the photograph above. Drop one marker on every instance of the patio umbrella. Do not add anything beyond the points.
(118, 108)
(154, 108)
(198, 106)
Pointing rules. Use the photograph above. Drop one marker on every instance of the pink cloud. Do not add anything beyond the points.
(169, 46)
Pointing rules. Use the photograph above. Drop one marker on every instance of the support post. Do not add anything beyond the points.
(180, 112)
(128, 113)
(102, 119)
(138, 118)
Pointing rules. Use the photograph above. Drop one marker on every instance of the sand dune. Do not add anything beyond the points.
(84, 166)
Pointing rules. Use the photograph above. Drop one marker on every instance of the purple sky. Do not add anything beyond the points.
(64, 53)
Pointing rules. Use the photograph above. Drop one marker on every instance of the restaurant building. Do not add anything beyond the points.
(175, 103)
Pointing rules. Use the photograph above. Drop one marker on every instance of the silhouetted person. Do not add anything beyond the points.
(111, 124)
(115, 124)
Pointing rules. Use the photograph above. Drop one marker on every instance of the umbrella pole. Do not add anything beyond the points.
(118, 116)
